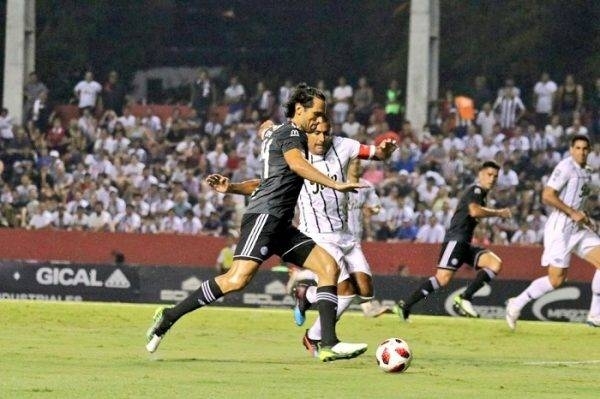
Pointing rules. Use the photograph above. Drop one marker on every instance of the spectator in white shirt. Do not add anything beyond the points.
(432, 232)
(507, 177)
(543, 97)
(87, 91)
(342, 97)
(524, 236)
(486, 119)
(191, 224)
(99, 219)
(40, 219)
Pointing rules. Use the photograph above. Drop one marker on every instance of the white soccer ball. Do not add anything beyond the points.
(393, 355)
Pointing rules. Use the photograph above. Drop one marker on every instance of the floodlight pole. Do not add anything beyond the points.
(423, 60)
(19, 54)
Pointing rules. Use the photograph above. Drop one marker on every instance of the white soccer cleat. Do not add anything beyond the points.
(593, 321)
(512, 314)
(152, 345)
(342, 350)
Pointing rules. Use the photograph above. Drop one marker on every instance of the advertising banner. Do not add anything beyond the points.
(169, 285)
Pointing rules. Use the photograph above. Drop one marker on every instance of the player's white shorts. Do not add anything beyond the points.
(346, 251)
(559, 245)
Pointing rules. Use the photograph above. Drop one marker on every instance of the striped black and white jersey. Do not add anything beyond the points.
(279, 187)
(356, 201)
(508, 108)
(572, 183)
(322, 209)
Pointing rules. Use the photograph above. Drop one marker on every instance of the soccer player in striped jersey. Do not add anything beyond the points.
(267, 228)
(568, 230)
(324, 218)
(457, 248)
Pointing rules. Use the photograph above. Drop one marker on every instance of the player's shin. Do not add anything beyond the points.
(484, 275)
(208, 293)
(327, 303)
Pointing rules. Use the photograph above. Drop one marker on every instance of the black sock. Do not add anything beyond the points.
(427, 287)
(327, 305)
(208, 292)
(483, 276)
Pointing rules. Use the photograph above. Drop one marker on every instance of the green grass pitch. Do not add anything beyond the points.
(93, 350)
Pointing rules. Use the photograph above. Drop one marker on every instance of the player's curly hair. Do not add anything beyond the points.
(303, 94)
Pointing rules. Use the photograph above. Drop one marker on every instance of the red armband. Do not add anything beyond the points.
(366, 151)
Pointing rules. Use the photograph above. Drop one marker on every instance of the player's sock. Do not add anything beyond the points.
(344, 302)
(536, 289)
(311, 294)
(428, 286)
(485, 275)
(595, 305)
(208, 292)
(327, 303)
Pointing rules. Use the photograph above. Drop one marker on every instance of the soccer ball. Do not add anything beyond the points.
(393, 355)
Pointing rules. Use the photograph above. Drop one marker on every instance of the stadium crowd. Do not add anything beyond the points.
(111, 170)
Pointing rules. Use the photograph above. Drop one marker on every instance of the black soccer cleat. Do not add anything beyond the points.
(402, 310)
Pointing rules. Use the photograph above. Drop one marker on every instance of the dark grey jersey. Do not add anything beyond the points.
(462, 224)
(279, 188)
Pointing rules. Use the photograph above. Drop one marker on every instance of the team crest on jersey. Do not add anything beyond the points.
(477, 190)
(294, 133)
(264, 251)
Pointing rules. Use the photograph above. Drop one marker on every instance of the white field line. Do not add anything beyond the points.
(560, 363)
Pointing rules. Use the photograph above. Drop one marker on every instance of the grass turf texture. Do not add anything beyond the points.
(92, 350)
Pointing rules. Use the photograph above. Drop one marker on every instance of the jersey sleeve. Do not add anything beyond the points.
(352, 146)
(559, 177)
(290, 138)
(476, 195)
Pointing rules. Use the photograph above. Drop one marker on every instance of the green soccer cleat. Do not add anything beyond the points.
(464, 307)
(341, 350)
(153, 339)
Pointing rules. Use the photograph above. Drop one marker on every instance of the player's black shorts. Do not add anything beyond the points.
(454, 253)
(263, 235)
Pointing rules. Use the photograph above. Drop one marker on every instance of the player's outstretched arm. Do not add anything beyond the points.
(222, 184)
(299, 165)
(381, 152)
(478, 211)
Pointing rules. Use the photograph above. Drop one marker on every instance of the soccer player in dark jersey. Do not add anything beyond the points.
(457, 248)
(267, 228)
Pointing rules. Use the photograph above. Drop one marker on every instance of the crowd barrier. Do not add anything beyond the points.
(520, 263)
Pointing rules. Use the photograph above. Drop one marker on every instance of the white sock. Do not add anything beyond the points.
(536, 289)
(311, 294)
(314, 332)
(595, 305)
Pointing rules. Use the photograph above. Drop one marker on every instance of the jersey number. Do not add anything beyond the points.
(266, 144)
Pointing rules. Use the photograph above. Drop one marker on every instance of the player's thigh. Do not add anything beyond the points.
(323, 264)
(337, 253)
(238, 276)
(487, 259)
(589, 248)
(556, 250)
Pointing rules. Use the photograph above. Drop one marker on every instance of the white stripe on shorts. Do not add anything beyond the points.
(447, 252)
(254, 233)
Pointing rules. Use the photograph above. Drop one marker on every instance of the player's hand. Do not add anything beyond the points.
(505, 213)
(347, 187)
(387, 147)
(218, 183)
(579, 217)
